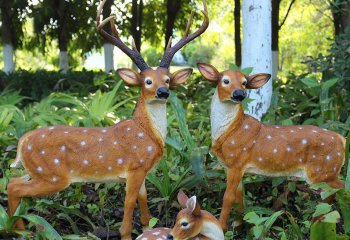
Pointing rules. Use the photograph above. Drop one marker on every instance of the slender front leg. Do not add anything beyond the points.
(133, 185)
(233, 194)
(142, 199)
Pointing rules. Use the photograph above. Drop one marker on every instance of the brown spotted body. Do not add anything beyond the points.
(246, 145)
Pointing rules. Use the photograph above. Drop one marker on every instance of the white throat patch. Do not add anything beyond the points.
(157, 113)
(222, 114)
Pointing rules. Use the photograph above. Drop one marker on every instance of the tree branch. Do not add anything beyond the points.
(285, 17)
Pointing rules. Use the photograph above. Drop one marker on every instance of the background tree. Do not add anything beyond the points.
(108, 47)
(257, 50)
(341, 15)
(238, 43)
(276, 26)
(11, 30)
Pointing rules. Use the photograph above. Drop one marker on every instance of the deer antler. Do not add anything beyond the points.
(133, 54)
(170, 51)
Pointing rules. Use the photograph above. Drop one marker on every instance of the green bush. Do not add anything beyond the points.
(198, 52)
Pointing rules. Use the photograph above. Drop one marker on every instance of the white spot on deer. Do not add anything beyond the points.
(300, 160)
(100, 140)
(63, 148)
(54, 179)
(289, 149)
(42, 152)
(335, 168)
(104, 130)
(100, 156)
(339, 154)
(291, 130)
(304, 141)
(29, 147)
(269, 137)
(142, 161)
(115, 143)
(51, 128)
(71, 171)
(328, 157)
(318, 169)
(40, 169)
(313, 156)
(56, 161)
(149, 148)
(82, 143)
(156, 233)
(277, 127)
(244, 149)
(233, 142)
(43, 135)
(332, 138)
(275, 150)
(65, 132)
(254, 141)
(326, 130)
(120, 161)
(314, 131)
(109, 168)
(260, 159)
(128, 129)
(134, 147)
(85, 130)
(300, 128)
(246, 126)
(86, 162)
(322, 143)
(140, 134)
(96, 172)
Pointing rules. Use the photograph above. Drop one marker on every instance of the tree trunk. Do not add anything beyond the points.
(7, 37)
(238, 42)
(257, 50)
(173, 8)
(108, 48)
(341, 16)
(63, 35)
(275, 36)
(136, 22)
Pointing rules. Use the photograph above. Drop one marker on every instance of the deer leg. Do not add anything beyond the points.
(233, 194)
(17, 189)
(133, 186)
(142, 199)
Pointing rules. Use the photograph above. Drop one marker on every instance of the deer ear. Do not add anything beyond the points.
(180, 77)
(129, 76)
(208, 71)
(257, 80)
(193, 206)
(182, 199)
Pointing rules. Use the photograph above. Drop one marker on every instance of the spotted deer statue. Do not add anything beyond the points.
(192, 223)
(57, 156)
(246, 145)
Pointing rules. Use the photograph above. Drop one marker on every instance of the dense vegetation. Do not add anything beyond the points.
(279, 208)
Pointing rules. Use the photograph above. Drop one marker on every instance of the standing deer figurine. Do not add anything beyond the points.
(244, 144)
(57, 156)
(192, 223)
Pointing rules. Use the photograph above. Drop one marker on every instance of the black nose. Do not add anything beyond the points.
(162, 93)
(238, 95)
(169, 236)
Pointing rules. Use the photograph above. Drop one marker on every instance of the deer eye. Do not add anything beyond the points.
(148, 81)
(226, 81)
(167, 81)
(244, 83)
(184, 224)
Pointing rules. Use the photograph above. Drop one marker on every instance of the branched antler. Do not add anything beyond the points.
(170, 51)
(115, 40)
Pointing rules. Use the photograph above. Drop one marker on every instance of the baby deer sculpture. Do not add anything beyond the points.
(244, 144)
(192, 223)
(57, 156)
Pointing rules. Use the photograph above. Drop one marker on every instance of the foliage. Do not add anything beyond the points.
(198, 52)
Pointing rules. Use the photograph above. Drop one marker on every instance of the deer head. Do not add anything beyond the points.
(154, 83)
(231, 84)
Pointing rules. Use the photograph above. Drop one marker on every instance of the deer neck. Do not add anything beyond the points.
(223, 115)
(211, 227)
(152, 117)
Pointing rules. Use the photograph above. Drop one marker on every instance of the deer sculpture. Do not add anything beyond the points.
(246, 145)
(57, 156)
(192, 223)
